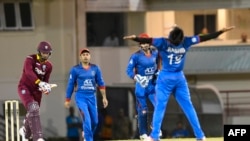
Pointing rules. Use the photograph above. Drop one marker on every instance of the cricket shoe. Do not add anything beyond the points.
(160, 134)
(22, 133)
(83, 136)
(202, 139)
(149, 139)
(143, 137)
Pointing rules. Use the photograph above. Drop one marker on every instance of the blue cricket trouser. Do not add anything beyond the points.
(142, 94)
(88, 108)
(174, 82)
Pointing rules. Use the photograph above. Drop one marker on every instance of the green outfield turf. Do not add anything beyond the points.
(182, 139)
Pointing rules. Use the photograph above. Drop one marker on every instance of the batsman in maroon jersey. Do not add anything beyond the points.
(32, 85)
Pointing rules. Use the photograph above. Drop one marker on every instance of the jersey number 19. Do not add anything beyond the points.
(174, 59)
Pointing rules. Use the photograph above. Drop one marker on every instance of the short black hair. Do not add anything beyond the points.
(176, 36)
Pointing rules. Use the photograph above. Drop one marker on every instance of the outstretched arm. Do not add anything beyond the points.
(138, 39)
(214, 35)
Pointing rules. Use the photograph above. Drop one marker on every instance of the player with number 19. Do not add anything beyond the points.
(171, 79)
(86, 76)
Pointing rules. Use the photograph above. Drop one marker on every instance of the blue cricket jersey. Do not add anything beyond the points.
(173, 57)
(86, 80)
(143, 64)
(171, 80)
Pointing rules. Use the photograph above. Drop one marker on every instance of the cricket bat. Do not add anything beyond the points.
(53, 85)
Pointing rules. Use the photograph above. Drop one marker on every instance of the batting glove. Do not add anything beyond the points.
(44, 87)
(142, 80)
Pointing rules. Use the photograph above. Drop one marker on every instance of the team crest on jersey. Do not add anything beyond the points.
(150, 70)
(93, 73)
(23, 91)
(44, 67)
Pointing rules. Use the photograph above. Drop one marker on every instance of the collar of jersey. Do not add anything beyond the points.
(38, 58)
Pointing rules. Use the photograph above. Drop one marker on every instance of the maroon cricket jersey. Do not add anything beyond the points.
(33, 71)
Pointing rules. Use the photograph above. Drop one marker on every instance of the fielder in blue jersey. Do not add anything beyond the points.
(84, 78)
(171, 78)
(142, 68)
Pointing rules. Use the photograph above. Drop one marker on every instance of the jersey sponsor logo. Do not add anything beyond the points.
(149, 71)
(40, 72)
(87, 82)
(88, 85)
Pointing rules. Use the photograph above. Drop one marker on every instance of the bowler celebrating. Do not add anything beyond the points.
(171, 78)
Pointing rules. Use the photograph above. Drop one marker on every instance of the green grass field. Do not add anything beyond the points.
(183, 139)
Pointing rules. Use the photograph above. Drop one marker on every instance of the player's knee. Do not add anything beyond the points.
(33, 108)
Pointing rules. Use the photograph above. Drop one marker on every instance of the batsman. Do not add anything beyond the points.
(32, 85)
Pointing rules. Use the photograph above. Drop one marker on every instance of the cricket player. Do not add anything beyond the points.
(142, 67)
(86, 76)
(171, 78)
(32, 85)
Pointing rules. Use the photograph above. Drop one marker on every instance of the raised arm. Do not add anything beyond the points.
(215, 34)
(138, 39)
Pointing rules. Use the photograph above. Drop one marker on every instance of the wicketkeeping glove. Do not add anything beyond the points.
(142, 80)
(44, 87)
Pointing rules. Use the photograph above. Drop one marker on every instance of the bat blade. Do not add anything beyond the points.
(53, 85)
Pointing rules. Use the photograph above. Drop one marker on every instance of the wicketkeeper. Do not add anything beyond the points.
(142, 68)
